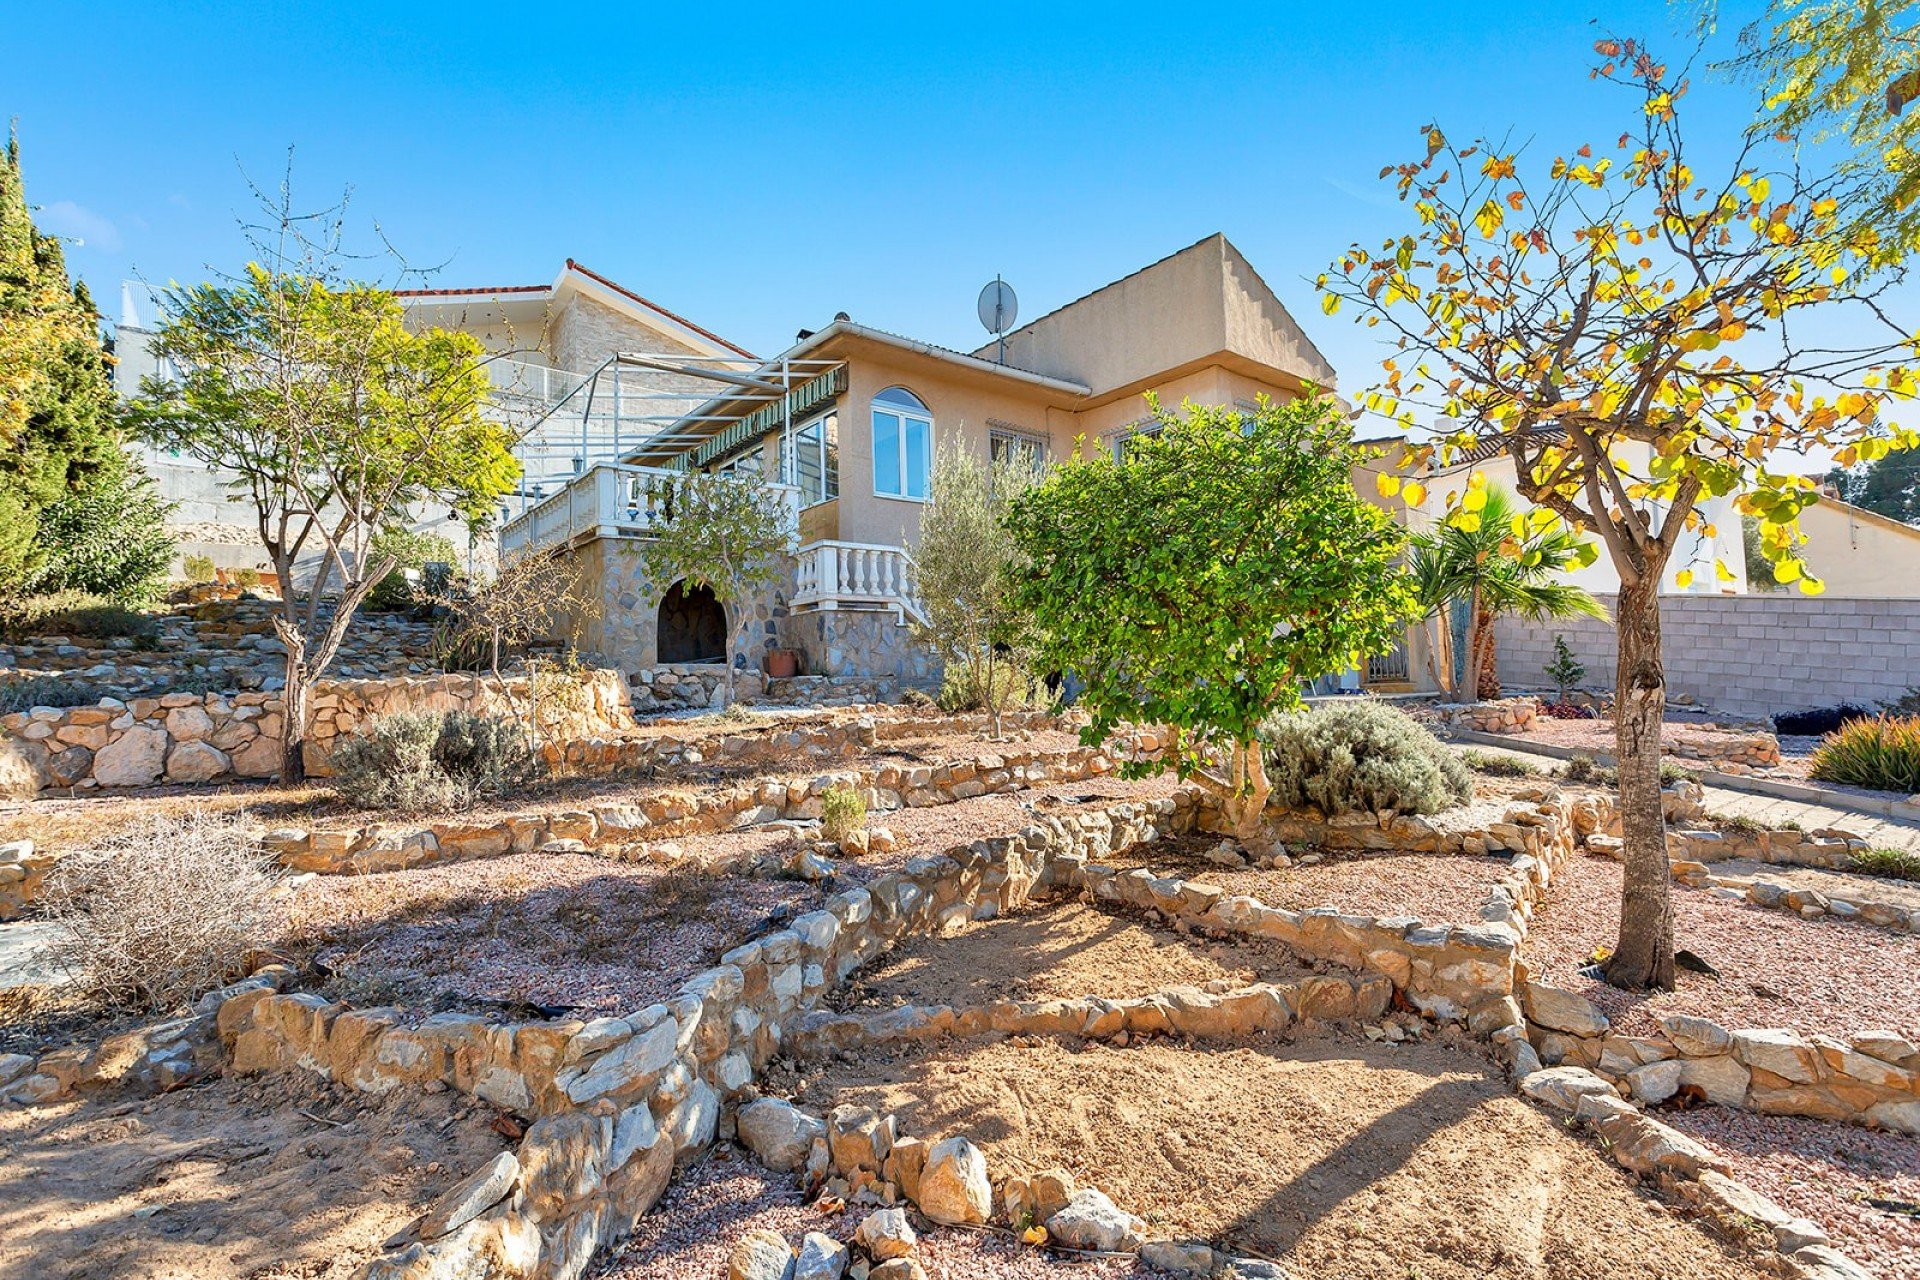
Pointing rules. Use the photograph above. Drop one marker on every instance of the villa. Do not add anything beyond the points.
(848, 421)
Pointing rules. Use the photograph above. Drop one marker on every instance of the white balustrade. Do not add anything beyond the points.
(831, 575)
(610, 501)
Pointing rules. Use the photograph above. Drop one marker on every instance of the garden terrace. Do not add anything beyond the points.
(1821, 976)
(1335, 1156)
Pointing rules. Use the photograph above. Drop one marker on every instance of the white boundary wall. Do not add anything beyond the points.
(1750, 655)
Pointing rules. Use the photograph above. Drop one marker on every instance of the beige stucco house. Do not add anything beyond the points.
(849, 420)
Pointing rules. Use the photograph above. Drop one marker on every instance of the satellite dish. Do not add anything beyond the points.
(998, 306)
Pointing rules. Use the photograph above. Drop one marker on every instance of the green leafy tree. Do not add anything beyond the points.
(1888, 486)
(1565, 670)
(1201, 579)
(334, 420)
(57, 427)
(108, 539)
(1630, 331)
(963, 570)
(1475, 565)
(730, 534)
(413, 549)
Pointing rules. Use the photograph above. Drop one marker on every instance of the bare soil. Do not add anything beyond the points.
(1343, 1160)
(712, 1204)
(229, 1179)
(1060, 951)
(1776, 969)
(1436, 888)
(1830, 1173)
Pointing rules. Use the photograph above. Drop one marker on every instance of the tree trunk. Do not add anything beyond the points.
(1486, 684)
(1643, 959)
(295, 700)
(1246, 803)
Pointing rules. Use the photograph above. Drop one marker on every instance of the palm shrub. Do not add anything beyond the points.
(1361, 756)
(1882, 753)
(1508, 562)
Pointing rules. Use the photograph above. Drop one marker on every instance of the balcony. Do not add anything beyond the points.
(609, 500)
(856, 575)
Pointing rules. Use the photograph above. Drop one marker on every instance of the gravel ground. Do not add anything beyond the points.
(1597, 735)
(714, 1203)
(1826, 1172)
(568, 930)
(1851, 885)
(1437, 888)
(1776, 969)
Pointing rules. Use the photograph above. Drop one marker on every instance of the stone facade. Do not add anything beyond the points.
(1751, 655)
(216, 737)
(860, 642)
(625, 634)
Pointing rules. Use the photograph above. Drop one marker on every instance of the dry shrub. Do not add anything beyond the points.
(420, 762)
(843, 811)
(164, 911)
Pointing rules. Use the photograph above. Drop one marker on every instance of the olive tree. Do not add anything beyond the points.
(1201, 578)
(1635, 333)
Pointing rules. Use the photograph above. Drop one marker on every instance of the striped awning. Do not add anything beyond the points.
(798, 402)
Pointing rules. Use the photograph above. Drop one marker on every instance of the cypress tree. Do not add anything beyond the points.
(58, 431)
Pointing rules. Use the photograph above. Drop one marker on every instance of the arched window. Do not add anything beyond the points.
(902, 444)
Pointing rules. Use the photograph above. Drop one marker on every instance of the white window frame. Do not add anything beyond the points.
(829, 458)
(905, 415)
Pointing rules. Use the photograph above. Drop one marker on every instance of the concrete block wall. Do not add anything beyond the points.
(1751, 655)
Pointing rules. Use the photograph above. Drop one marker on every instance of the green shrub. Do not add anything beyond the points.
(22, 693)
(1361, 755)
(75, 613)
(1882, 753)
(108, 538)
(1894, 864)
(843, 811)
(420, 762)
(246, 579)
(410, 550)
(1672, 771)
(962, 690)
(198, 570)
(1581, 768)
(1498, 766)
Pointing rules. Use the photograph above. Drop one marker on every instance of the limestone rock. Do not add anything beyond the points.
(135, 759)
(1656, 1082)
(485, 1188)
(760, 1255)
(821, 1258)
(886, 1234)
(1091, 1221)
(196, 762)
(898, 1269)
(1697, 1037)
(953, 1187)
(778, 1132)
(1561, 1087)
(1563, 1011)
(1178, 1259)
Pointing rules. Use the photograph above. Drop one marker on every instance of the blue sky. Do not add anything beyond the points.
(759, 169)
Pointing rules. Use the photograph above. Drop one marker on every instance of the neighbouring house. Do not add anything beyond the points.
(848, 422)
(547, 345)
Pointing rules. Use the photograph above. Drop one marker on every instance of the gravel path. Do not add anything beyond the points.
(1826, 1172)
(713, 1204)
(1777, 969)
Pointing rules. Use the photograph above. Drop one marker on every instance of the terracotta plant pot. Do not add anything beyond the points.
(782, 664)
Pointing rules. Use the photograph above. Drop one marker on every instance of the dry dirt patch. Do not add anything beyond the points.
(1777, 969)
(1060, 951)
(228, 1180)
(1347, 1161)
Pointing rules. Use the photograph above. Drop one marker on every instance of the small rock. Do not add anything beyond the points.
(760, 1255)
(898, 1269)
(778, 1132)
(1092, 1221)
(953, 1187)
(821, 1258)
(886, 1234)
(1562, 1087)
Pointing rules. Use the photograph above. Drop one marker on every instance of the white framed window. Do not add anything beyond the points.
(1010, 444)
(902, 445)
(815, 465)
(1121, 440)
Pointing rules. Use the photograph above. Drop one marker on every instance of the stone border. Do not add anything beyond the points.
(619, 1100)
(1679, 1166)
(1829, 848)
(23, 873)
(679, 813)
(1501, 715)
(1810, 903)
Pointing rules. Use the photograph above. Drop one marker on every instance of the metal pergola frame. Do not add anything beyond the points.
(618, 421)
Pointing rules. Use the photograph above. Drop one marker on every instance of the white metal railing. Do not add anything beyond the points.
(535, 382)
(830, 575)
(610, 501)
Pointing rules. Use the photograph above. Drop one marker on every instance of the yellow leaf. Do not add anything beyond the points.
(1721, 571)
(1683, 579)
(1810, 585)
(1034, 1235)
(1330, 303)
(1488, 220)
(1413, 493)
(1787, 570)
(1466, 521)
(1478, 480)
(1388, 485)
(1473, 500)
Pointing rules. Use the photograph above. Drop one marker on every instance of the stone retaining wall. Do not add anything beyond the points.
(687, 685)
(619, 1100)
(1827, 847)
(631, 828)
(1507, 715)
(1871, 1078)
(216, 737)
(23, 870)
(1802, 901)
